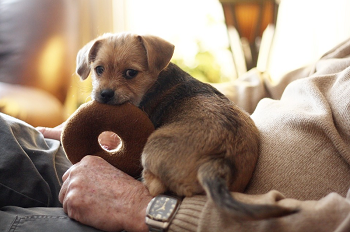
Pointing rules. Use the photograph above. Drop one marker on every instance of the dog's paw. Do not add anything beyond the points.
(153, 183)
(186, 189)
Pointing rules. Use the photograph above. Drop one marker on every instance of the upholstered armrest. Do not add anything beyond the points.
(31, 105)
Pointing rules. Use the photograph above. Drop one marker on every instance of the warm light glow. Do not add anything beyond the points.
(183, 23)
(50, 62)
(305, 30)
(12, 107)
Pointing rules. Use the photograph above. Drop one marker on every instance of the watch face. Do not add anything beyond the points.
(162, 208)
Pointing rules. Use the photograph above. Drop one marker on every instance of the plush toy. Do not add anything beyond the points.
(82, 130)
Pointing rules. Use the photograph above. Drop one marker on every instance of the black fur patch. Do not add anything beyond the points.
(218, 191)
(173, 86)
(222, 197)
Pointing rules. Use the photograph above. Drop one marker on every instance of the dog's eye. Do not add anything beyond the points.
(99, 70)
(130, 73)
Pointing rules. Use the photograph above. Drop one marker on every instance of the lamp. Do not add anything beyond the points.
(249, 18)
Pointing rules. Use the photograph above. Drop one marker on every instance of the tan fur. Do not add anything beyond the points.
(132, 54)
(178, 171)
(203, 141)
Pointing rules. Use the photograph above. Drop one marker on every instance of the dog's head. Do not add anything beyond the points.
(123, 66)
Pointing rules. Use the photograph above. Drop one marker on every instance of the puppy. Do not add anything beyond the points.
(203, 143)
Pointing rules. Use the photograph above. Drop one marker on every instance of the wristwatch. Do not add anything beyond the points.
(160, 211)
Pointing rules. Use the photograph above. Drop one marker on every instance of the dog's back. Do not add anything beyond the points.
(202, 143)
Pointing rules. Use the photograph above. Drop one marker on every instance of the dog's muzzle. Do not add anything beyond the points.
(106, 95)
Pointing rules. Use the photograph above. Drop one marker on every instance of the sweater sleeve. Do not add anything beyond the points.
(304, 159)
(331, 213)
(250, 88)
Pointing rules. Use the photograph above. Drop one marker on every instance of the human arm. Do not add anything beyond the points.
(330, 213)
(107, 139)
(97, 194)
(251, 87)
(325, 170)
(304, 153)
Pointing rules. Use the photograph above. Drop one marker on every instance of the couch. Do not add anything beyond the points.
(38, 43)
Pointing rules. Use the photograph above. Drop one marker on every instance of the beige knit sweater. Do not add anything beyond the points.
(305, 150)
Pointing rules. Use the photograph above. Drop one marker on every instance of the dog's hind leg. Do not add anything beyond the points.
(153, 183)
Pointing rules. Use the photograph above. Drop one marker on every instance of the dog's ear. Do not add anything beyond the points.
(159, 51)
(85, 56)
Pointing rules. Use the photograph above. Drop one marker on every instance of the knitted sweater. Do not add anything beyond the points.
(304, 121)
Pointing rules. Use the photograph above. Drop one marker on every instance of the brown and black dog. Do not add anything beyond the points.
(203, 143)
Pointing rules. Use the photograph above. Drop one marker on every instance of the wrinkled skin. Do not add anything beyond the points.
(97, 194)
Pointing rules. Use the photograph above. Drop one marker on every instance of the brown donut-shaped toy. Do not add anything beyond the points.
(131, 124)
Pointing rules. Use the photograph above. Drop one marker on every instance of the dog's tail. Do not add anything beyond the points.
(212, 175)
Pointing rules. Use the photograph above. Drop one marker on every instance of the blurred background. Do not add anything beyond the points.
(215, 40)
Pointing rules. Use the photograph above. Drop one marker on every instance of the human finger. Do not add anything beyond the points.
(109, 140)
(63, 190)
(51, 133)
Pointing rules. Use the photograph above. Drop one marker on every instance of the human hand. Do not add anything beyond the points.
(97, 194)
(108, 140)
(52, 133)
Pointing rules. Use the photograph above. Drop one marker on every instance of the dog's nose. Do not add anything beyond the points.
(106, 95)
